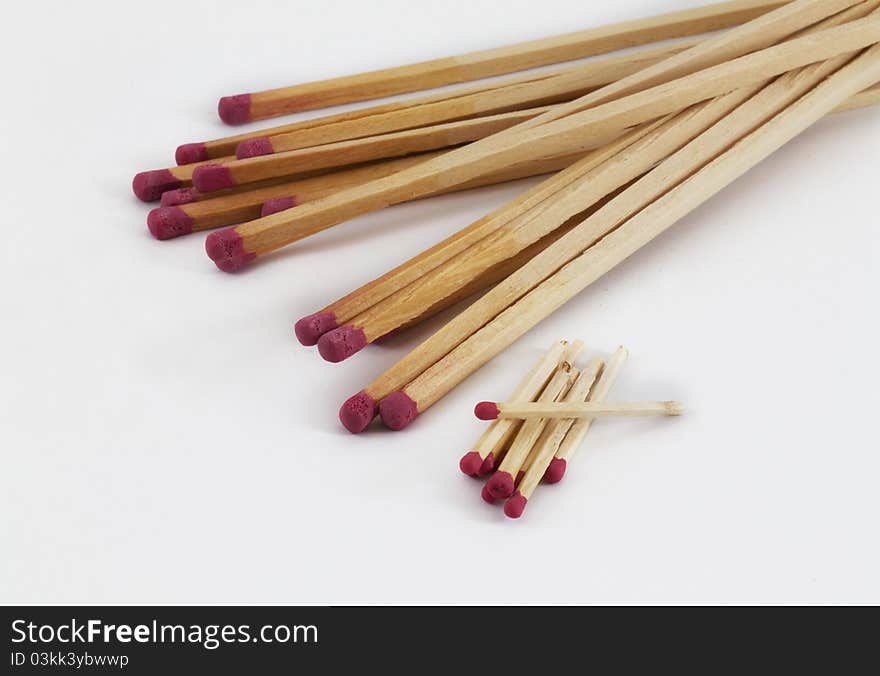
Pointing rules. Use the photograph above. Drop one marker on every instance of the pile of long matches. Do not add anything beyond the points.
(636, 142)
(535, 433)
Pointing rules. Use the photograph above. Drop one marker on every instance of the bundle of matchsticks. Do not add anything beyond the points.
(535, 433)
(635, 141)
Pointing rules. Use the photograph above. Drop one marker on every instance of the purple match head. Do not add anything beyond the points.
(211, 177)
(500, 485)
(235, 109)
(226, 248)
(398, 410)
(189, 153)
(169, 222)
(173, 198)
(486, 410)
(311, 327)
(341, 343)
(515, 505)
(486, 495)
(276, 204)
(357, 412)
(254, 147)
(555, 471)
(488, 465)
(470, 463)
(149, 185)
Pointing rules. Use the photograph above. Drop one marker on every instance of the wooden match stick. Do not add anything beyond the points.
(481, 460)
(218, 176)
(640, 229)
(490, 410)
(487, 63)
(549, 441)
(148, 186)
(571, 440)
(234, 247)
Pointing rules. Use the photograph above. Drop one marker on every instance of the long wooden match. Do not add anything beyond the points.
(490, 410)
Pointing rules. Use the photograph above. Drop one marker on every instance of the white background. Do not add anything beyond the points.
(165, 439)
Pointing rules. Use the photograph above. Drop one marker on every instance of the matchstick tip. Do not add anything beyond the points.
(488, 465)
(398, 410)
(500, 485)
(273, 206)
(254, 147)
(470, 463)
(235, 109)
(487, 497)
(555, 471)
(173, 198)
(191, 152)
(340, 343)
(311, 327)
(149, 185)
(169, 222)
(486, 410)
(226, 249)
(357, 412)
(211, 177)
(515, 505)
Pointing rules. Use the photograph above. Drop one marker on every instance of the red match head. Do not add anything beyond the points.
(311, 327)
(486, 410)
(189, 153)
(235, 109)
(398, 410)
(173, 198)
(515, 505)
(555, 471)
(487, 497)
(273, 206)
(254, 147)
(341, 343)
(488, 465)
(169, 222)
(500, 485)
(226, 248)
(149, 185)
(470, 463)
(211, 177)
(357, 412)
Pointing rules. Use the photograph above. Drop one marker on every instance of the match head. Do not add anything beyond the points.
(235, 109)
(173, 198)
(191, 152)
(486, 410)
(211, 177)
(341, 343)
(226, 248)
(149, 185)
(254, 147)
(397, 410)
(488, 465)
(169, 222)
(273, 206)
(311, 327)
(500, 485)
(357, 412)
(470, 463)
(555, 471)
(487, 497)
(515, 505)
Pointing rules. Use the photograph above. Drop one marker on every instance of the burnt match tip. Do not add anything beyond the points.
(470, 463)
(555, 470)
(339, 344)
(149, 185)
(191, 152)
(357, 412)
(398, 410)
(311, 327)
(173, 198)
(488, 465)
(515, 505)
(486, 410)
(235, 109)
(254, 147)
(226, 249)
(211, 177)
(500, 485)
(169, 222)
(487, 497)
(273, 206)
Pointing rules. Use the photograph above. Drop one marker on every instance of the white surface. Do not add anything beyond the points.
(166, 440)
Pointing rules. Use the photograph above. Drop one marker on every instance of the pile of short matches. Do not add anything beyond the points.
(534, 434)
(632, 142)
